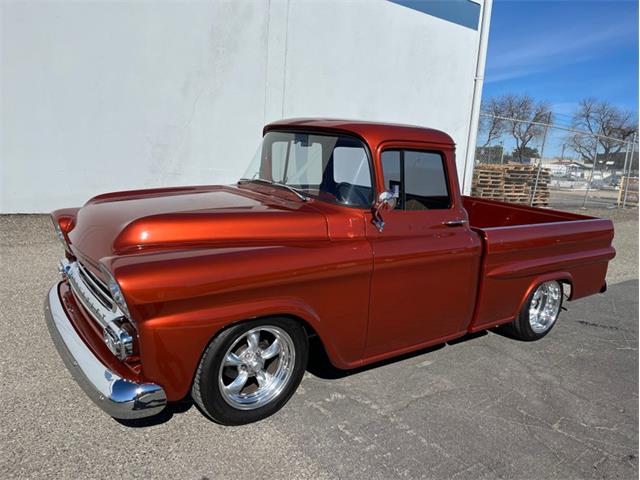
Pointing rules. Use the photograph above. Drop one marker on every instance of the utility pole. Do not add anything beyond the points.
(501, 152)
(562, 154)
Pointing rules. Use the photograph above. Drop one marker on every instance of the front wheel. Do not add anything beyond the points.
(539, 313)
(250, 370)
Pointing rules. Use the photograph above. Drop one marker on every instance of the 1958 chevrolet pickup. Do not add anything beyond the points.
(353, 232)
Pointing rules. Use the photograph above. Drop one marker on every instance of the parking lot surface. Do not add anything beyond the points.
(483, 407)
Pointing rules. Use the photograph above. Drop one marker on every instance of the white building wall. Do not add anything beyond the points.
(98, 97)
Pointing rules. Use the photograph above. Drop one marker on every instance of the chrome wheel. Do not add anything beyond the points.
(257, 367)
(545, 306)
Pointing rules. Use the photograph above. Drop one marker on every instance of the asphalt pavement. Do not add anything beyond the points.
(483, 407)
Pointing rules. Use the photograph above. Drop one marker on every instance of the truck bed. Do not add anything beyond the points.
(491, 214)
(525, 246)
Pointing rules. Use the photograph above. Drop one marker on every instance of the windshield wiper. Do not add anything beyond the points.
(297, 192)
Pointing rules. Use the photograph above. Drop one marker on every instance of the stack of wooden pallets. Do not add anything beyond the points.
(512, 183)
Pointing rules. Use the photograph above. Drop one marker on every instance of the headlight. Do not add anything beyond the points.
(118, 336)
(116, 292)
(119, 333)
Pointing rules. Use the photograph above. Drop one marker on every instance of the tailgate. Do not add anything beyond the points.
(518, 258)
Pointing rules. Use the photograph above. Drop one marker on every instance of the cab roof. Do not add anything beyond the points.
(372, 132)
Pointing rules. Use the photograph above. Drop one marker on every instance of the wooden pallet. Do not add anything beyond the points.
(513, 183)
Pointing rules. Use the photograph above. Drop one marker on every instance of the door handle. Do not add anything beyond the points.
(454, 223)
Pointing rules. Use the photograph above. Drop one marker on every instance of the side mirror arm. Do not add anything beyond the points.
(386, 201)
(378, 222)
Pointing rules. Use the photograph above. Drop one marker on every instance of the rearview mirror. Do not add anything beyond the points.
(386, 201)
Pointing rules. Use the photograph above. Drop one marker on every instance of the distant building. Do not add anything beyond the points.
(567, 168)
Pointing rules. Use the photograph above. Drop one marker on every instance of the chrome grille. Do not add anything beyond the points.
(97, 287)
(90, 292)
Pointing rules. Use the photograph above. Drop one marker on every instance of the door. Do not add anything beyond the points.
(426, 259)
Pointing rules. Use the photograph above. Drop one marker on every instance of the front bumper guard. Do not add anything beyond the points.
(117, 396)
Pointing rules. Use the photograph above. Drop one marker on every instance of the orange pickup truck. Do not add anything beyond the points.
(353, 232)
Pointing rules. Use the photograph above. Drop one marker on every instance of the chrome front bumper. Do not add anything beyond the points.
(117, 396)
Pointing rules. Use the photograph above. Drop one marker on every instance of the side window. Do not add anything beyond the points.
(421, 178)
(425, 182)
(392, 174)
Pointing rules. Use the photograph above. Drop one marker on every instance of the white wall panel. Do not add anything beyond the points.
(104, 96)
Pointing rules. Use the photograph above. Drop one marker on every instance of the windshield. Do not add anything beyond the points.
(330, 167)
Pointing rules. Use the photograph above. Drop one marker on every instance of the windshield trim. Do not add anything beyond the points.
(329, 133)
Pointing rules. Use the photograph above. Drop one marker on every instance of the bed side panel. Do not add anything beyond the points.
(519, 258)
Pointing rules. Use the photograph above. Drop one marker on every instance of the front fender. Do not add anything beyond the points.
(173, 345)
(181, 300)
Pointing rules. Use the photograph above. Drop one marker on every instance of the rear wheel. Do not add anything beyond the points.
(250, 370)
(539, 313)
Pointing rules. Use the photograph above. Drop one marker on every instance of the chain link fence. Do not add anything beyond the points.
(558, 167)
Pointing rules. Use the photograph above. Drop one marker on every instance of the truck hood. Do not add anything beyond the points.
(191, 216)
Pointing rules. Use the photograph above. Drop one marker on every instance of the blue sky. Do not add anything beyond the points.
(562, 51)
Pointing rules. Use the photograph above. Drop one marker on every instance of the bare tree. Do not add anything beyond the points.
(492, 126)
(525, 114)
(612, 126)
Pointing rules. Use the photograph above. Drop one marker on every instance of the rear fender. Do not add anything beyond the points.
(563, 277)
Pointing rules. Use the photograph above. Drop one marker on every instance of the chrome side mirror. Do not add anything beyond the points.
(386, 201)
